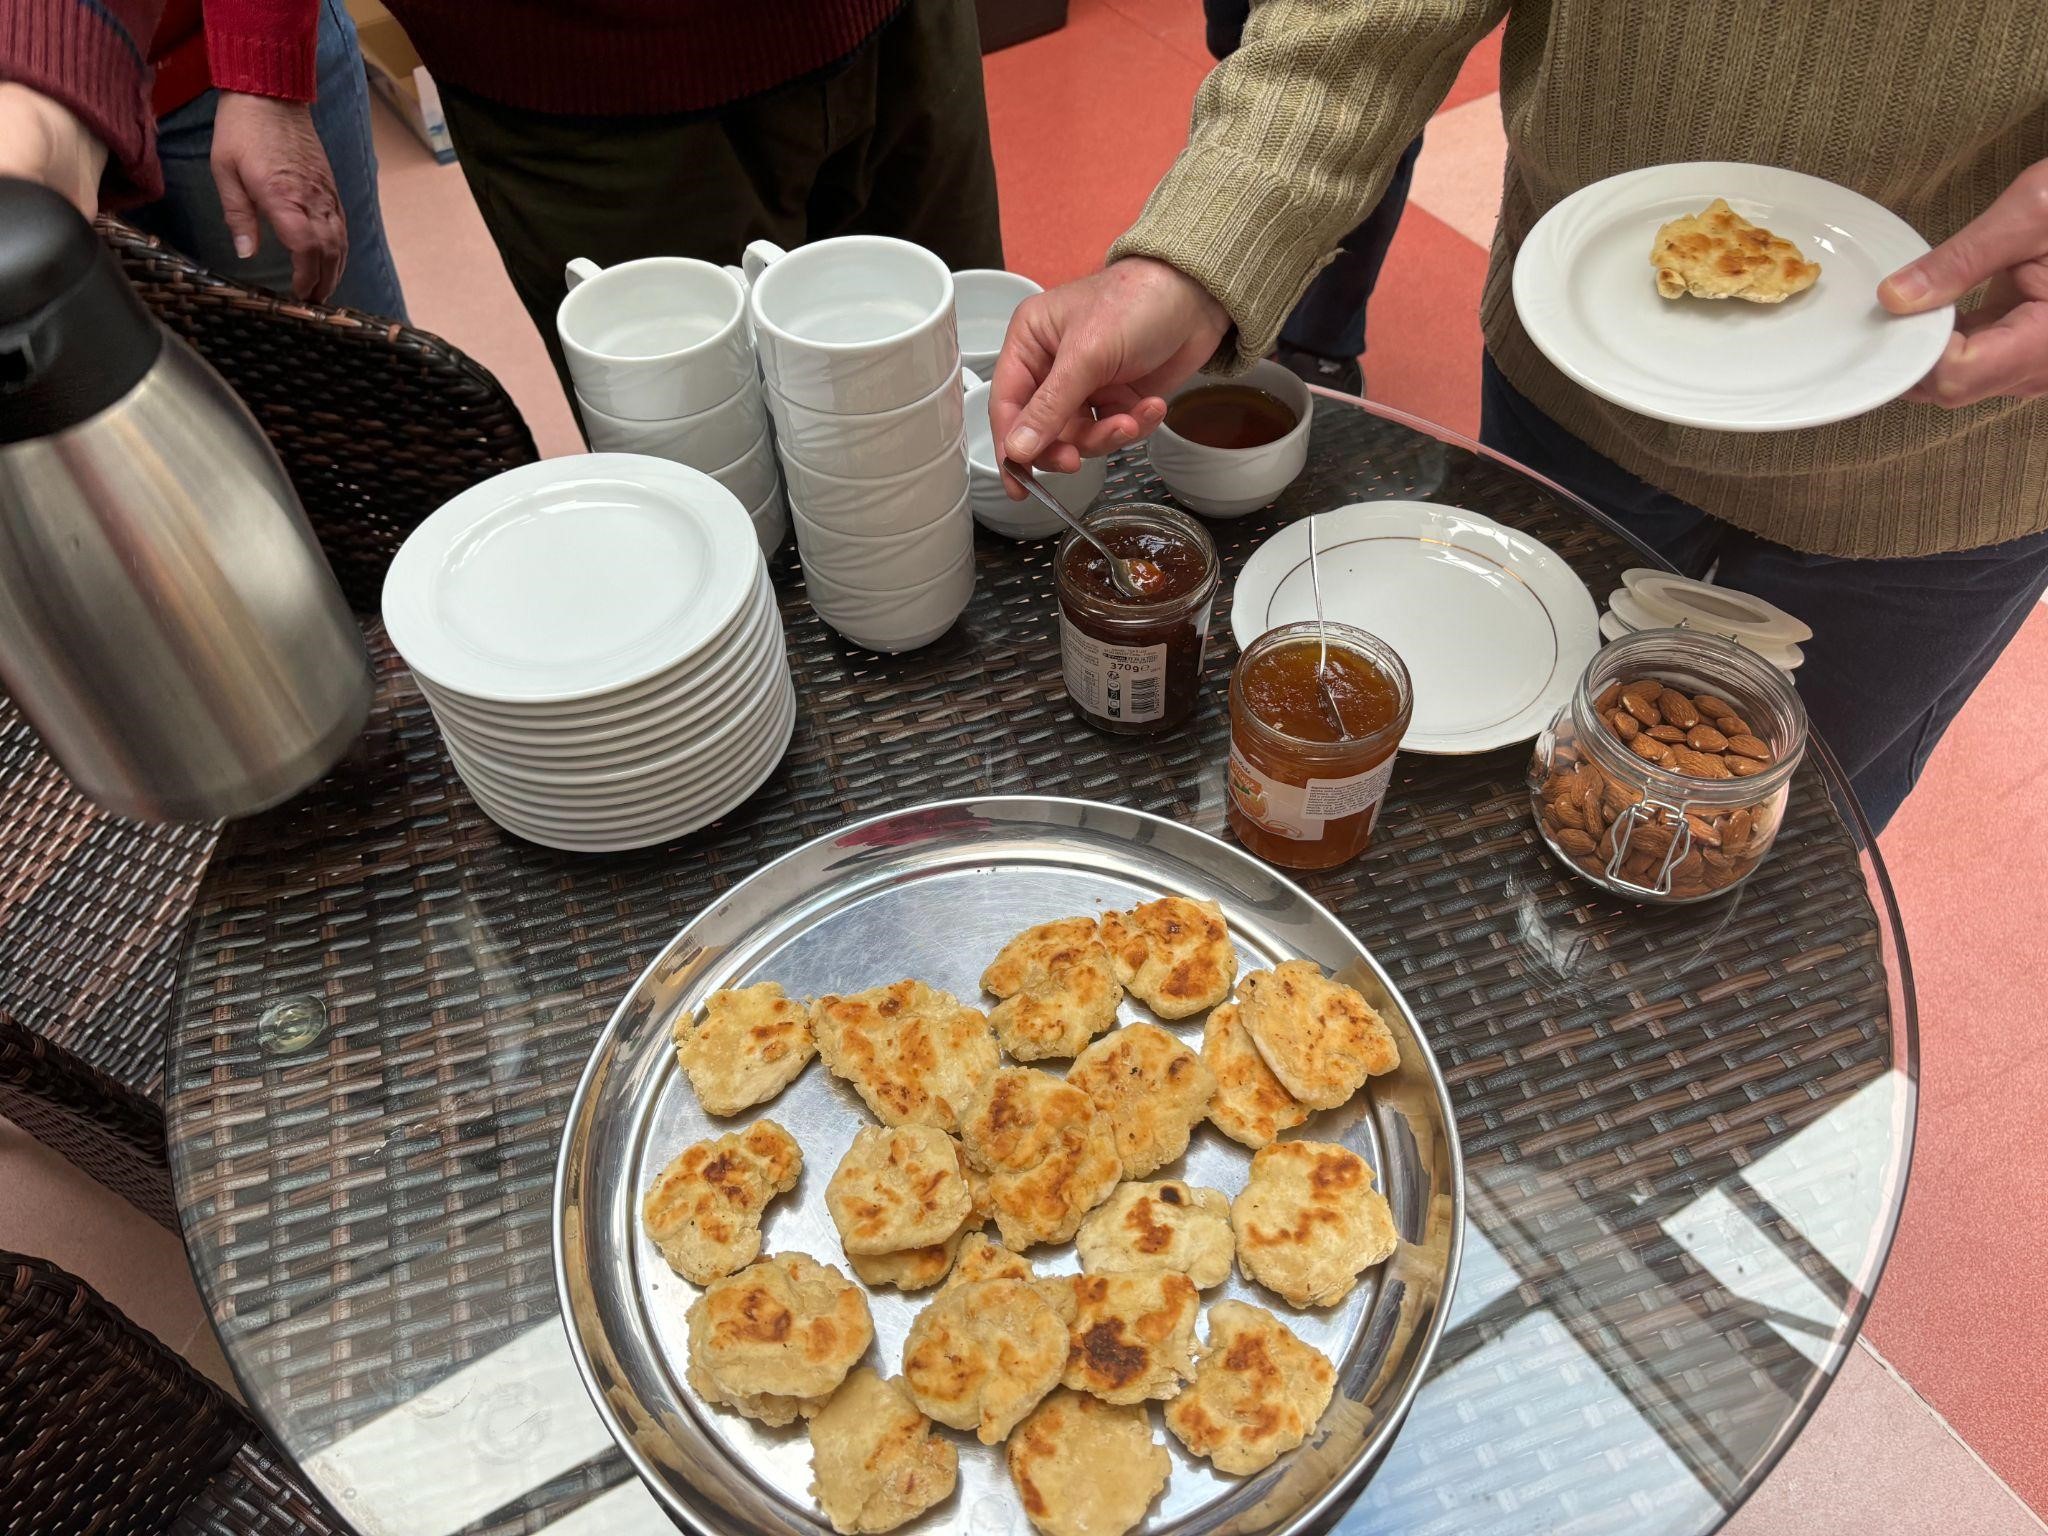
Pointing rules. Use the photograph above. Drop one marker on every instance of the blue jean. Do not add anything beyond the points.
(1898, 645)
(188, 217)
(1329, 320)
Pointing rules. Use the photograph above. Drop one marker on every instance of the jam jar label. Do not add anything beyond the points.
(1116, 682)
(1302, 811)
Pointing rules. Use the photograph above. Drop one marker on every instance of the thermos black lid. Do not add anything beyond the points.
(74, 335)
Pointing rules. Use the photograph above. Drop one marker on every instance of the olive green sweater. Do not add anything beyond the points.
(1931, 107)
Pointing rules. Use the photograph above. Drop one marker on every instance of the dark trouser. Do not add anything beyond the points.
(892, 141)
(1330, 318)
(1898, 645)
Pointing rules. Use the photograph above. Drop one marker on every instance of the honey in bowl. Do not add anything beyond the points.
(1309, 770)
(1230, 416)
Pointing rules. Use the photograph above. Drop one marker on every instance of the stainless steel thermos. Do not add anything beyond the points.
(167, 620)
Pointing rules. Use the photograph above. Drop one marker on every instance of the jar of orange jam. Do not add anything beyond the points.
(1306, 781)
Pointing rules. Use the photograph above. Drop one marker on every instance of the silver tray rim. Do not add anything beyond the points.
(1329, 1506)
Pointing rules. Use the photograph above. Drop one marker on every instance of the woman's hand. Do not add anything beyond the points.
(268, 165)
(1085, 366)
(2001, 347)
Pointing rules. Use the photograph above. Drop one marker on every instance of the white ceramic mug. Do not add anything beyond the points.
(703, 441)
(751, 477)
(870, 446)
(887, 562)
(985, 298)
(890, 504)
(857, 323)
(654, 339)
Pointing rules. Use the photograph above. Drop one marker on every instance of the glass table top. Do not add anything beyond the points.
(1686, 1131)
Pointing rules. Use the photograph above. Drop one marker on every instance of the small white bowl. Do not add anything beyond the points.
(985, 298)
(894, 503)
(993, 508)
(894, 621)
(751, 477)
(770, 520)
(888, 562)
(1229, 482)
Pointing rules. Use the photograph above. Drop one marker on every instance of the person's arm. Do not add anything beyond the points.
(74, 94)
(268, 163)
(1295, 137)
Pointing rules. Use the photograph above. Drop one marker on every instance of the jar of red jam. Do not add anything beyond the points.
(1134, 665)
(1308, 768)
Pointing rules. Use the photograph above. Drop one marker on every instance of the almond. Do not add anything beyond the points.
(1679, 710)
(1648, 689)
(1704, 738)
(1749, 746)
(1642, 708)
(1650, 750)
(1704, 832)
(1735, 831)
(1625, 724)
(1700, 765)
(1608, 699)
(1732, 726)
(1690, 870)
(1670, 735)
(1744, 767)
(1617, 798)
(1710, 706)
(1572, 840)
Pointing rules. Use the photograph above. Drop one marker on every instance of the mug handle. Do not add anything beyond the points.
(580, 270)
(758, 256)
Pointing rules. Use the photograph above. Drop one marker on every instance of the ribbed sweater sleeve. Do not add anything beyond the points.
(88, 54)
(263, 47)
(1294, 138)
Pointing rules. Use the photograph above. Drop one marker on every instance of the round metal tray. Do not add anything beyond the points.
(933, 893)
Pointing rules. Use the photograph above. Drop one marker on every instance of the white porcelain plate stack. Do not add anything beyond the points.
(601, 648)
(1649, 599)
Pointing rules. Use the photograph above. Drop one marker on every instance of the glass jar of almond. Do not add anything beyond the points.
(1664, 779)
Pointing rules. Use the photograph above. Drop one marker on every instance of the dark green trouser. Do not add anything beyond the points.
(894, 141)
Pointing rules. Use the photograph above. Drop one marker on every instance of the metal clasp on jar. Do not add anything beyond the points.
(1652, 820)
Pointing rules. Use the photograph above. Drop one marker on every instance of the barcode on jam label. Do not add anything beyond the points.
(1116, 682)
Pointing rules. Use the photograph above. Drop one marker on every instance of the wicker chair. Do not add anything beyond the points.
(377, 424)
(105, 1431)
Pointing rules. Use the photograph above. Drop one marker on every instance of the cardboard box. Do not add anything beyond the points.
(397, 75)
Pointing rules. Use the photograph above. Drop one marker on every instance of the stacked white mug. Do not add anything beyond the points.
(663, 360)
(860, 351)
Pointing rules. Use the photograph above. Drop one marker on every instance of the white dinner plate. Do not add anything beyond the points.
(1587, 296)
(1493, 626)
(569, 578)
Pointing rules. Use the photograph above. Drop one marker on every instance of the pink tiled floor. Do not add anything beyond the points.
(1084, 121)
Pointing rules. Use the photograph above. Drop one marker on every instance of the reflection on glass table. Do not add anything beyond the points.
(1686, 1131)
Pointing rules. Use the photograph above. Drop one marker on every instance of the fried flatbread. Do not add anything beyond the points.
(1084, 1468)
(898, 1187)
(704, 1210)
(1129, 1337)
(917, 1056)
(875, 1462)
(1153, 1089)
(1151, 1228)
(1174, 955)
(1718, 254)
(1321, 1038)
(750, 1045)
(1258, 1391)
(1058, 988)
(982, 1355)
(1309, 1222)
(775, 1340)
(1049, 1154)
(1250, 1104)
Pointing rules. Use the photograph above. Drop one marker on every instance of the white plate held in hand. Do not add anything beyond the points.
(1494, 627)
(1587, 295)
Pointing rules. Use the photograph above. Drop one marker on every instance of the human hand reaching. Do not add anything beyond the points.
(269, 167)
(43, 141)
(1085, 366)
(2001, 347)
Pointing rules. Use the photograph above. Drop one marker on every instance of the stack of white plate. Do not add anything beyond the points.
(861, 354)
(663, 359)
(1650, 599)
(601, 648)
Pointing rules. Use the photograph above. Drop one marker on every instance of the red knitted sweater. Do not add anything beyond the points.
(589, 57)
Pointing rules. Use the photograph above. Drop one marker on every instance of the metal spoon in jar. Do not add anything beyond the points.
(1315, 583)
(1127, 581)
